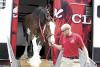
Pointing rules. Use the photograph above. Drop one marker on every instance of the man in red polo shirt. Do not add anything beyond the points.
(70, 42)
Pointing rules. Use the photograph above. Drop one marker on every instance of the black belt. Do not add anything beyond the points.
(73, 57)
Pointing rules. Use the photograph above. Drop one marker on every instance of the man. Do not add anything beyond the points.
(70, 42)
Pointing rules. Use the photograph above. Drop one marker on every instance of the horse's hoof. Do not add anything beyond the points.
(24, 57)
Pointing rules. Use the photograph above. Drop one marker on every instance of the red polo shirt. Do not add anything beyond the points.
(71, 44)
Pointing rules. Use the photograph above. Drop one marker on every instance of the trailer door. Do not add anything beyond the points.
(5, 19)
(96, 31)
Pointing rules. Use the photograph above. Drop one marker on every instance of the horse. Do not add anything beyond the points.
(38, 26)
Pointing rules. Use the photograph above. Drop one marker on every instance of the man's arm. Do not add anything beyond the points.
(84, 49)
(82, 45)
(59, 47)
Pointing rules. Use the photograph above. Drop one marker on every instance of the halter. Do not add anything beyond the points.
(49, 36)
(42, 33)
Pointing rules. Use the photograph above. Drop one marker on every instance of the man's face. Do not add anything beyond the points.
(66, 32)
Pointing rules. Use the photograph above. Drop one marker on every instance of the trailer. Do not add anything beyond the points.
(83, 15)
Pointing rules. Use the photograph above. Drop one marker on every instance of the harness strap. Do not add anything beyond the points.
(42, 31)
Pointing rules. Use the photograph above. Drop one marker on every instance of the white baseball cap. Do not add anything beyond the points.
(65, 26)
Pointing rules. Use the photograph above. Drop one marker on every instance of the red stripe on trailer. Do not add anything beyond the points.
(14, 34)
(14, 25)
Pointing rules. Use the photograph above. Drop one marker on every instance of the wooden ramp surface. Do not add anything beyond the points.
(45, 63)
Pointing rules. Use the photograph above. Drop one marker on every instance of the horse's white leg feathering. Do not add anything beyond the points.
(28, 31)
(24, 56)
(35, 60)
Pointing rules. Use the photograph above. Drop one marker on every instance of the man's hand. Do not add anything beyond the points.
(59, 47)
(51, 44)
